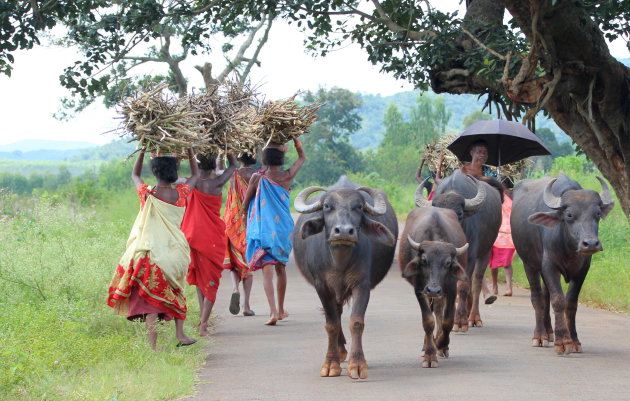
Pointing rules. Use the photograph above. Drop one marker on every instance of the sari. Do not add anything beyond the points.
(235, 227)
(152, 271)
(503, 248)
(269, 226)
(205, 233)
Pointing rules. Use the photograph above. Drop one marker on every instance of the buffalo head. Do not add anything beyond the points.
(579, 212)
(342, 214)
(435, 263)
(452, 200)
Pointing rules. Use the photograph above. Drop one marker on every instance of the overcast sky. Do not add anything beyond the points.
(32, 94)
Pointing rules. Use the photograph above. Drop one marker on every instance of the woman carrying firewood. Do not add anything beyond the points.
(150, 278)
(235, 230)
(269, 223)
(205, 232)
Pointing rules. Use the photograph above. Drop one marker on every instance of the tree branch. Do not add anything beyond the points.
(392, 26)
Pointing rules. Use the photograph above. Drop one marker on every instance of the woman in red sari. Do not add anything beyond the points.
(150, 278)
(205, 232)
(235, 230)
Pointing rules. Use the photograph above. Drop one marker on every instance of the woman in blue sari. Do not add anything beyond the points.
(269, 223)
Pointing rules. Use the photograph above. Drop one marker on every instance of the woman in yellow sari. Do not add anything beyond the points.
(150, 278)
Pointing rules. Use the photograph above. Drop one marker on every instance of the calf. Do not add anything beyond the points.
(555, 232)
(344, 245)
(432, 257)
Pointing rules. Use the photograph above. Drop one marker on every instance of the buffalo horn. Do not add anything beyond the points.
(605, 195)
(471, 205)
(414, 245)
(459, 251)
(421, 201)
(552, 201)
(300, 200)
(380, 207)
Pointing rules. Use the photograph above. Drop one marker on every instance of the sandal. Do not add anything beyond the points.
(235, 303)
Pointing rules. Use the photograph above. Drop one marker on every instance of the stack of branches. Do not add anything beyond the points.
(282, 121)
(433, 150)
(223, 118)
(158, 123)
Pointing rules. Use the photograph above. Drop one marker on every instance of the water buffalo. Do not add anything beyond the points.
(432, 257)
(477, 205)
(554, 228)
(344, 245)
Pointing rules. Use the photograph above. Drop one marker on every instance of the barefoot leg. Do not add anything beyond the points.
(269, 292)
(151, 319)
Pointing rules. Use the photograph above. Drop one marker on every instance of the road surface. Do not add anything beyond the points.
(250, 361)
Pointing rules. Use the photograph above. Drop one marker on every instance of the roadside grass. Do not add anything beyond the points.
(60, 341)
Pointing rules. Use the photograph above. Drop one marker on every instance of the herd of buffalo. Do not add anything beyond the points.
(346, 235)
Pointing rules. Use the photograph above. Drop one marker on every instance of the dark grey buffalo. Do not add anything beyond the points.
(431, 256)
(478, 207)
(344, 246)
(554, 228)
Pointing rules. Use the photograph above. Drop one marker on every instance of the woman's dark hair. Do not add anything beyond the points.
(478, 142)
(248, 159)
(272, 157)
(207, 162)
(165, 168)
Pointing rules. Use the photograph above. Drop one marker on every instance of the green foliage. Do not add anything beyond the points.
(475, 116)
(59, 339)
(328, 150)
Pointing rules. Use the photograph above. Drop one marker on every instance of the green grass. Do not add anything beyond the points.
(59, 339)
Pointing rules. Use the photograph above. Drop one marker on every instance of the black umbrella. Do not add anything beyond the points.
(508, 142)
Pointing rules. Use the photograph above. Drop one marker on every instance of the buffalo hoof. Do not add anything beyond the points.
(577, 347)
(550, 337)
(443, 353)
(460, 329)
(563, 347)
(476, 323)
(430, 361)
(357, 369)
(330, 369)
(539, 342)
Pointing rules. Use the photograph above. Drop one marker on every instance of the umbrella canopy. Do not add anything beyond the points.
(508, 142)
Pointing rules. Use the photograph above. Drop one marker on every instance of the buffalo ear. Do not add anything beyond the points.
(312, 226)
(412, 268)
(546, 219)
(459, 272)
(378, 231)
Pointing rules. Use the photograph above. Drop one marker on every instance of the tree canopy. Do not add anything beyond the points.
(551, 56)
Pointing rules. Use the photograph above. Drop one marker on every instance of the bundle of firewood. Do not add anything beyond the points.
(433, 150)
(282, 121)
(158, 123)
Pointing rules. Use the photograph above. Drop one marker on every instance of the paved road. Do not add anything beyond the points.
(250, 361)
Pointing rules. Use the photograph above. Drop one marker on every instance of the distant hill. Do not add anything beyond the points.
(28, 145)
(373, 110)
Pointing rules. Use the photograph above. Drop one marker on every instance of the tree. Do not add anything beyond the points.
(329, 152)
(475, 116)
(553, 55)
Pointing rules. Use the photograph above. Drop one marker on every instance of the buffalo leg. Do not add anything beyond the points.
(428, 323)
(461, 313)
(547, 315)
(357, 366)
(331, 366)
(343, 353)
(536, 295)
(573, 292)
(443, 339)
(563, 343)
(474, 318)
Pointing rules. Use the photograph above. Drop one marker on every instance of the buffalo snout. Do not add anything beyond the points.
(434, 291)
(590, 246)
(343, 234)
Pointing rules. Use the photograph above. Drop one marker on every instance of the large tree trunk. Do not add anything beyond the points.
(590, 95)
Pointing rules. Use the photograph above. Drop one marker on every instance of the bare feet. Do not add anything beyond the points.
(283, 315)
(508, 293)
(273, 319)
